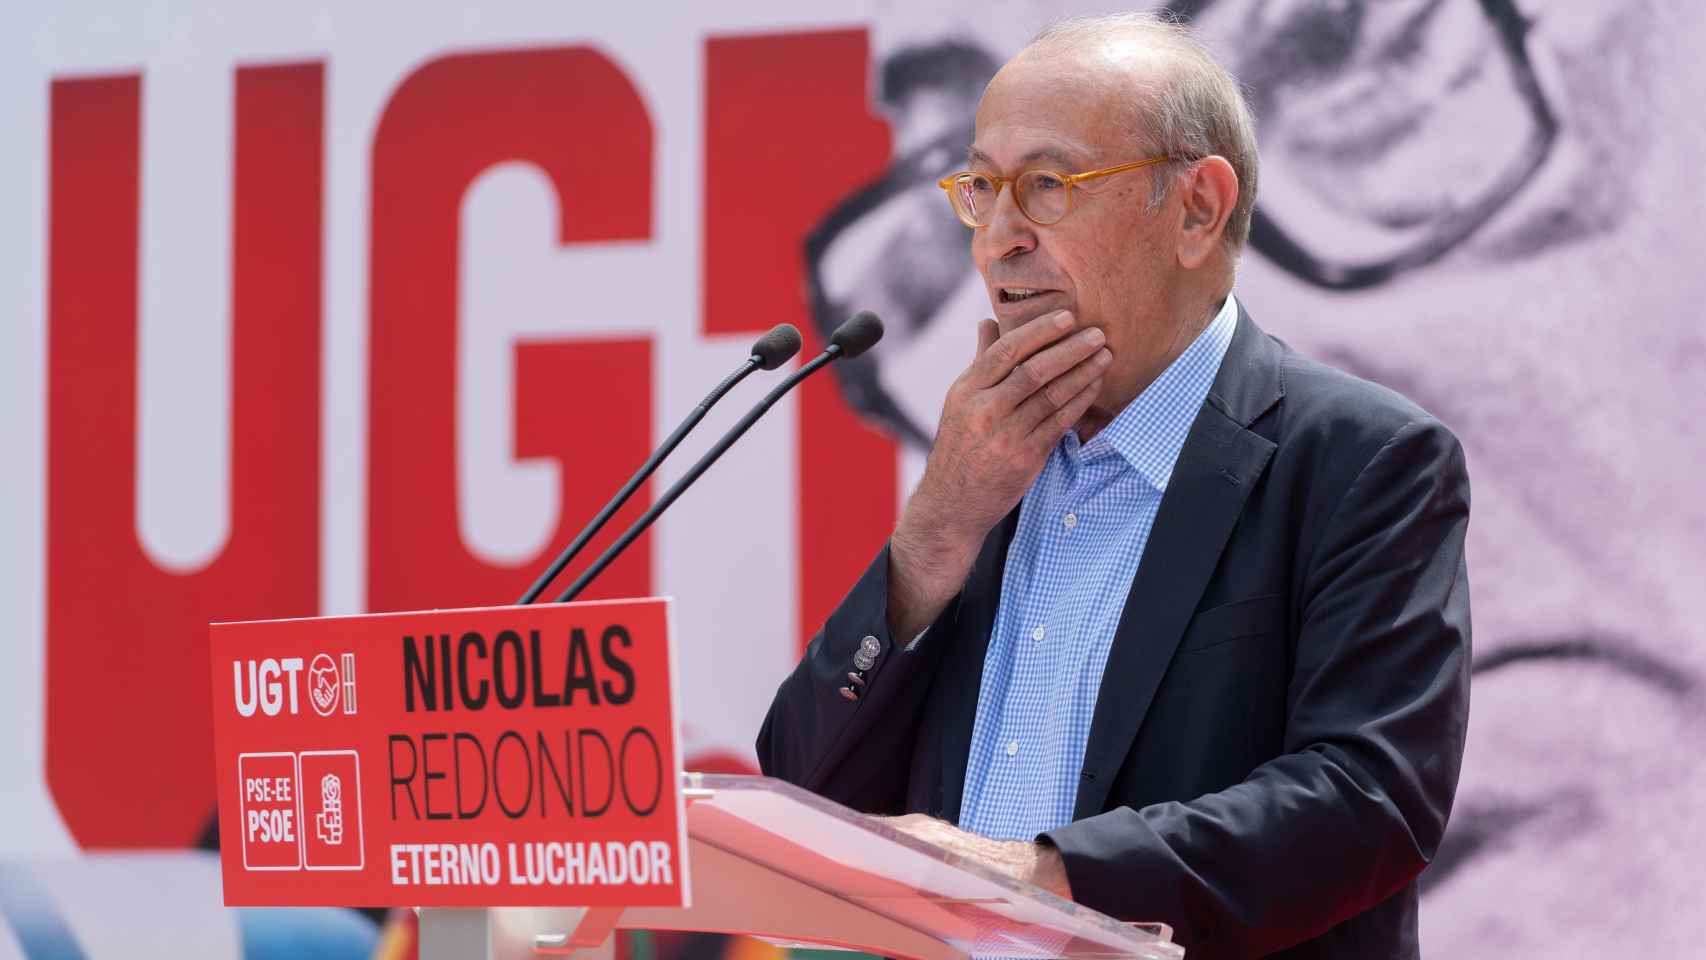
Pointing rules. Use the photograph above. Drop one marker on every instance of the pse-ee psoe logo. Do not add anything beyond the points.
(270, 686)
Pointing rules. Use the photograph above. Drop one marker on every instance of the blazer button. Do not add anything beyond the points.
(866, 657)
(849, 693)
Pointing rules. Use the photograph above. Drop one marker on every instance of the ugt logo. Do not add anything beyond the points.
(272, 685)
(325, 686)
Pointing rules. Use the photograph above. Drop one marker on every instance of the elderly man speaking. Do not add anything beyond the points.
(1177, 621)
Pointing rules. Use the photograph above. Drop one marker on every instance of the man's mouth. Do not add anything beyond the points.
(1019, 294)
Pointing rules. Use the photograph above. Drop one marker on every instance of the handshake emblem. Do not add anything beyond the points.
(326, 683)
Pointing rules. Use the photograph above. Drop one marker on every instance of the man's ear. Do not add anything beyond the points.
(1209, 192)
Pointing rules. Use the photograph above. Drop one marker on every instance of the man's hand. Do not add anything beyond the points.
(1002, 416)
(1031, 863)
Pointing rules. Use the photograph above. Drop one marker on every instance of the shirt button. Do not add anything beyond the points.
(1071, 520)
(1037, 634)
(1012, 747)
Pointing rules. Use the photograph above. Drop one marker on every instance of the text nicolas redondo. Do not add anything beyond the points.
(582, 769)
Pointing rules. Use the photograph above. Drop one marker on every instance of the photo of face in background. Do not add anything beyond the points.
(1490, 206)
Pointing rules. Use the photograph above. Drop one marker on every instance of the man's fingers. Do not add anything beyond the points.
(987, 333)
(1061, 391)
(1041, 369)
(1008, 350)
(1049, 420)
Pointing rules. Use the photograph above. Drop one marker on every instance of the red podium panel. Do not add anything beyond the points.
(505, 756)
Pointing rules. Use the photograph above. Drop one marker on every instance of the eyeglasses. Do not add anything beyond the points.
(1043, 196)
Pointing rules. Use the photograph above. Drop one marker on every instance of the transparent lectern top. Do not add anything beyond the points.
(864, 860)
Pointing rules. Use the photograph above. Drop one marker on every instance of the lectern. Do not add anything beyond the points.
(770, 860)
(515, 773)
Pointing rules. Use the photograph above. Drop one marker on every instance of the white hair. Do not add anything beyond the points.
(1191, 109)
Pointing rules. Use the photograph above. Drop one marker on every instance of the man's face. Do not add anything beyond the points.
(1111, 261)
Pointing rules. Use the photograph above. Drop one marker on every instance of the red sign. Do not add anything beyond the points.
(503, 756)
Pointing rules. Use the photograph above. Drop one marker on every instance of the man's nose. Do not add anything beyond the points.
(1010, 232)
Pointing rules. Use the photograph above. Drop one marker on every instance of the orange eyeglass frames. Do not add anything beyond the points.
(1043, 196)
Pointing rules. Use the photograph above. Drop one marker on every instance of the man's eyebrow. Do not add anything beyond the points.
(974, 156)
(1047, 153)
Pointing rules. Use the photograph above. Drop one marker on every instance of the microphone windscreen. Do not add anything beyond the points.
(777, 347)
(858, 334)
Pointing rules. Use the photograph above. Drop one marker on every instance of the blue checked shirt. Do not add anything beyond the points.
(1082, 529)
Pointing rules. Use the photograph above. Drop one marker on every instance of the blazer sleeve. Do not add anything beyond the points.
(856, 752)
(1378, 704)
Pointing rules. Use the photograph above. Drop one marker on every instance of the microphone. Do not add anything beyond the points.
(771, 351)
(849, 340)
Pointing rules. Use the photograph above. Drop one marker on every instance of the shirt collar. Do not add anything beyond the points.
(1151, 430)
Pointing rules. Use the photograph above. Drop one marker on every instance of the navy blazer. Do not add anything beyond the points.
(1277, 737)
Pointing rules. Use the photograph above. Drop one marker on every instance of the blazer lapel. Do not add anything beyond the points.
(960, 676)
(1217, 467)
